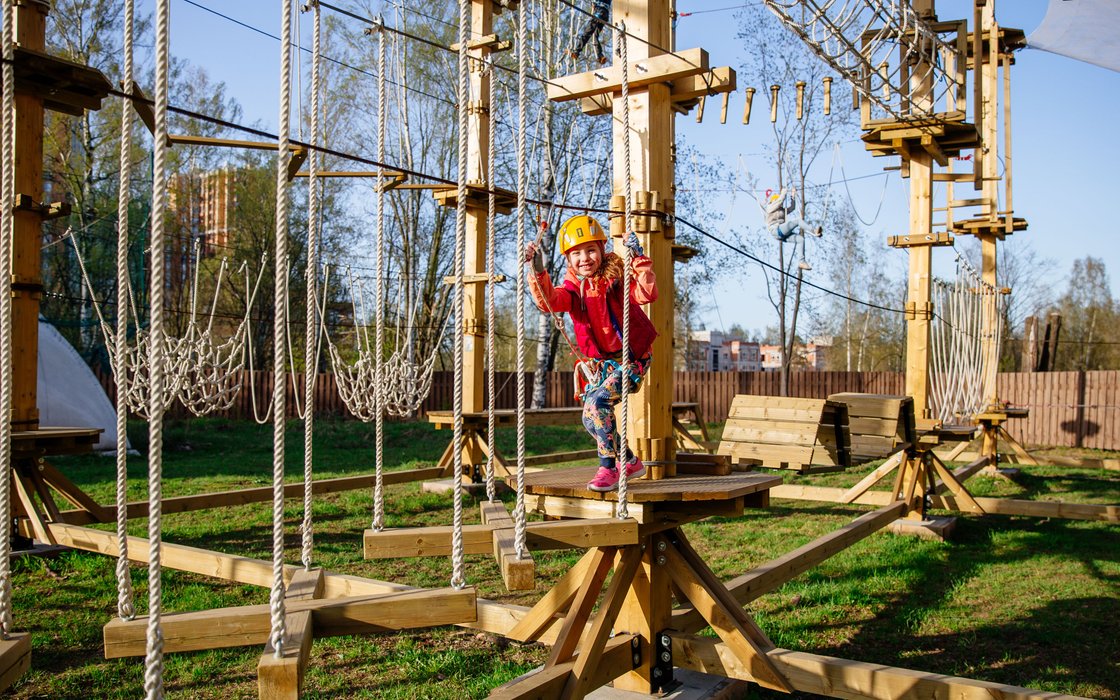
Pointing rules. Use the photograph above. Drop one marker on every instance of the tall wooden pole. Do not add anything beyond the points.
(648, 606)
(27, 281)
(652, 136)
(919, 307)
(987, 70)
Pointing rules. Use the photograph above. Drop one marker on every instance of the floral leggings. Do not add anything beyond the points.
(598, 410)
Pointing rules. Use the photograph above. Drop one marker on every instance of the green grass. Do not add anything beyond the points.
(1012, 600)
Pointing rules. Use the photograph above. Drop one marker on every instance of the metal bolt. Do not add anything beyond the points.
(666, 656)
(661, 546)
(656, 673)
(661, 560)
(666, 641)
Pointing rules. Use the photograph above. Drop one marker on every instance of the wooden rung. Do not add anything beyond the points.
(15, 658)
(658, 69)
(490, 41)
(518, 572)
(251, 625)
(281, 676)
(478, 539)
(474, 278)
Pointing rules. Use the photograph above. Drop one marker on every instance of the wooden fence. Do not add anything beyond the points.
(1067, 409)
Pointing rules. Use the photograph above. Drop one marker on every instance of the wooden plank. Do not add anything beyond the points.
(281, 675)
(249, 625)
(559, 457)
(717, 80)
(768, 576)
(842, 678)
(657, 69)
(15, 658)
(477, 539)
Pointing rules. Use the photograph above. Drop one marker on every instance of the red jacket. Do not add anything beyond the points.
(593, 302)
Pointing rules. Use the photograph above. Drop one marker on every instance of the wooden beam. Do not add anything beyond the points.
(766, 577)
(477, 539)
(595, 639)
(700, 585)
(548, 683)
(250, 625)
(15, 658)
(554, 603)
(873, 478)
(581, 607)
(962, 473)
(281, 676)
(237, 497)
(647, 71)
(692, 87)
(497, 618)
(991, 506)
(841, 678)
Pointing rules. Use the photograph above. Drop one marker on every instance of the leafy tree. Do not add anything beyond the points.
(1090, 319)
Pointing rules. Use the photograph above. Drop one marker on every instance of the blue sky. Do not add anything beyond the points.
(1064, 152)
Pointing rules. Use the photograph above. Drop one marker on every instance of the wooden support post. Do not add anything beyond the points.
(646, 612)
(27, 283)
(281, 676)
(652, 136)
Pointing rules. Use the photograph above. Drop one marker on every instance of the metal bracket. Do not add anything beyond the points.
(661, 675)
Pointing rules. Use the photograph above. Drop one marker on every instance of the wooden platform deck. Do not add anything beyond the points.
(573, 483)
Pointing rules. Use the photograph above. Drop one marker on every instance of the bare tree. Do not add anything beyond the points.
(776, 57)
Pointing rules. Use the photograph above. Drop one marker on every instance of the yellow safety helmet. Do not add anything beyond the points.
(578, 230)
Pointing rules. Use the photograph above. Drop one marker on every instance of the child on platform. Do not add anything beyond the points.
(593, 294)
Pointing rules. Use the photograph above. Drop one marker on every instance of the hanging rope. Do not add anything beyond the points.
(311, 340)
(153, 661)
(280, 330)
(624, 413)
(491, 285)
(379, 310)
(522, 184)
(125, 607)
(462, 96)
(7, 236)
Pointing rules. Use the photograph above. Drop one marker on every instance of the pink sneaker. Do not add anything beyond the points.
(635, 468)
(606, 479)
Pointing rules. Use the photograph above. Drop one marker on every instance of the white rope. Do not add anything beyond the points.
(463, 104)
(522, 185)
(491, 311)
(125, 607)
(153, 661)
(280, 330)
(379, 414)
(7, 237)
(624, 283)
(311, 340)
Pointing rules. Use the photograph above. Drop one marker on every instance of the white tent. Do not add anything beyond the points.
(69, 395)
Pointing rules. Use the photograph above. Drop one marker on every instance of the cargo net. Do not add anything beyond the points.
(965, 336)
(893, 58)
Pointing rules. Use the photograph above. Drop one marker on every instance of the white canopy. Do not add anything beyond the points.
(1088, 30)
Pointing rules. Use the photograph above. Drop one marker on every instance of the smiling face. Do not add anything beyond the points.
(586, 258)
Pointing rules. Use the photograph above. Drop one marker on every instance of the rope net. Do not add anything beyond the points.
(965, 338)
(882, 48)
